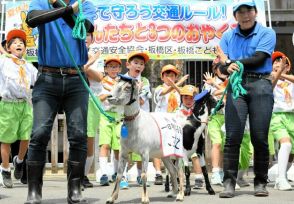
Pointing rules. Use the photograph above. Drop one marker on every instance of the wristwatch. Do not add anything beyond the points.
(228, 62)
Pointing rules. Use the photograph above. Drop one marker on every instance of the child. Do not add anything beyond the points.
(136, 64)
(281, 125)
(217, 85)
(187, 102)
(93, 118)
(166, 99)
(17, 76)
(109, 133)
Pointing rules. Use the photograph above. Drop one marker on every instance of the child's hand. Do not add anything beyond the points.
(221, 55)
(185, 77)
(208, 78)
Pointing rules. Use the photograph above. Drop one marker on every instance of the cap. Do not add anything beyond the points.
(170, 67)
(137, 53)
(240, 3)
(188, 90)
(16, 33)
(112, 58)
(278, 54)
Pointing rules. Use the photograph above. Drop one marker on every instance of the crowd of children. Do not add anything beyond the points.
(17, 77)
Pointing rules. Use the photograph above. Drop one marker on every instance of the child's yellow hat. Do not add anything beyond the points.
(137, 53)
(188, 90)
(16, 33)
(170, 67)
(112, 58)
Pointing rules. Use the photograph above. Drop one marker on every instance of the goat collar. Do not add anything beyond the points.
(131, 117)
(197, 119)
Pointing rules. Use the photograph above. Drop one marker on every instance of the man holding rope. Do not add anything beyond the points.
(59, 87)
(251, 44)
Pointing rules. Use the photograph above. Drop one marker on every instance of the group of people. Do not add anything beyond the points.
(56, 85)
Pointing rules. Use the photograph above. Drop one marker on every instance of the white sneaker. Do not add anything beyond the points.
(237, 187)
(216, 178)
(282, 185)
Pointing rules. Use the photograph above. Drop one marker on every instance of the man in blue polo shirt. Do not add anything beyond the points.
(58, 88)
(252, 44)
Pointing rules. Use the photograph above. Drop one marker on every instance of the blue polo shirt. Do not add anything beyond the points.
(51, 51)
(237, 46)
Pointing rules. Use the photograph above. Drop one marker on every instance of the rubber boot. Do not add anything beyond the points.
(75, 174)
(35, 181)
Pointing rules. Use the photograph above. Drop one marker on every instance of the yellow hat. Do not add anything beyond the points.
(16, 33)
(112, 58)
(189, 90)
(170, 67)
(138, 53)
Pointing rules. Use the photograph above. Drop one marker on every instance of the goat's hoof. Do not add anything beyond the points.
(180, 197)
(187, 192)
(166, 189)
(171, 195)
(109, 201)
(211, 192)
(145, 201)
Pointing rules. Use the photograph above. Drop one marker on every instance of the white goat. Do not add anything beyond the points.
(143, 138)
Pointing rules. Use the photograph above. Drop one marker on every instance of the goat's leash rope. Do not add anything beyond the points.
(96, 101)
(235, 81)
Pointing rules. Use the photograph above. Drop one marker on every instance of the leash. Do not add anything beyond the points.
(235, 80)
(79, 29)
(96, 101)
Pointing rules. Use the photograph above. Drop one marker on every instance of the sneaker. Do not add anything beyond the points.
(158, 179)
(17, 168)
(140, 183)
(216, 178)
(237, 187)
(104, 180)
(198, 184)
(124, 184)
(6, 179)
(242, 182)
(282, 185)
(113, 177)
(87, 183)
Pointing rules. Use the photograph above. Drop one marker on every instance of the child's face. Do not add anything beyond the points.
(113, 69)
(169, 74)
(136, 66)
(17, 47)
(277, 65)
(89, 40)
(188, 101)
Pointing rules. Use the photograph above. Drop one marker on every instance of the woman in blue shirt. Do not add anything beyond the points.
(252, 44)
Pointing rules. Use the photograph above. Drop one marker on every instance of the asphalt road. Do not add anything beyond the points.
(54, 192)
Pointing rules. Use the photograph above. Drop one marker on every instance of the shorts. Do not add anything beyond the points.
(109, 132)
(93, 118)
(215, 133)
(282, 126)
(16, 121)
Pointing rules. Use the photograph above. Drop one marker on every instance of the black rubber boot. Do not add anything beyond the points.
(35, 181)
(75, 174)
(229, 191)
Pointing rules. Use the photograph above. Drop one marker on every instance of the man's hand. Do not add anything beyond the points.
(52, 1)
(75, 6)
(233, 67)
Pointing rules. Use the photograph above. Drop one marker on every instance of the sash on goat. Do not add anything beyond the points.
(171, 134)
